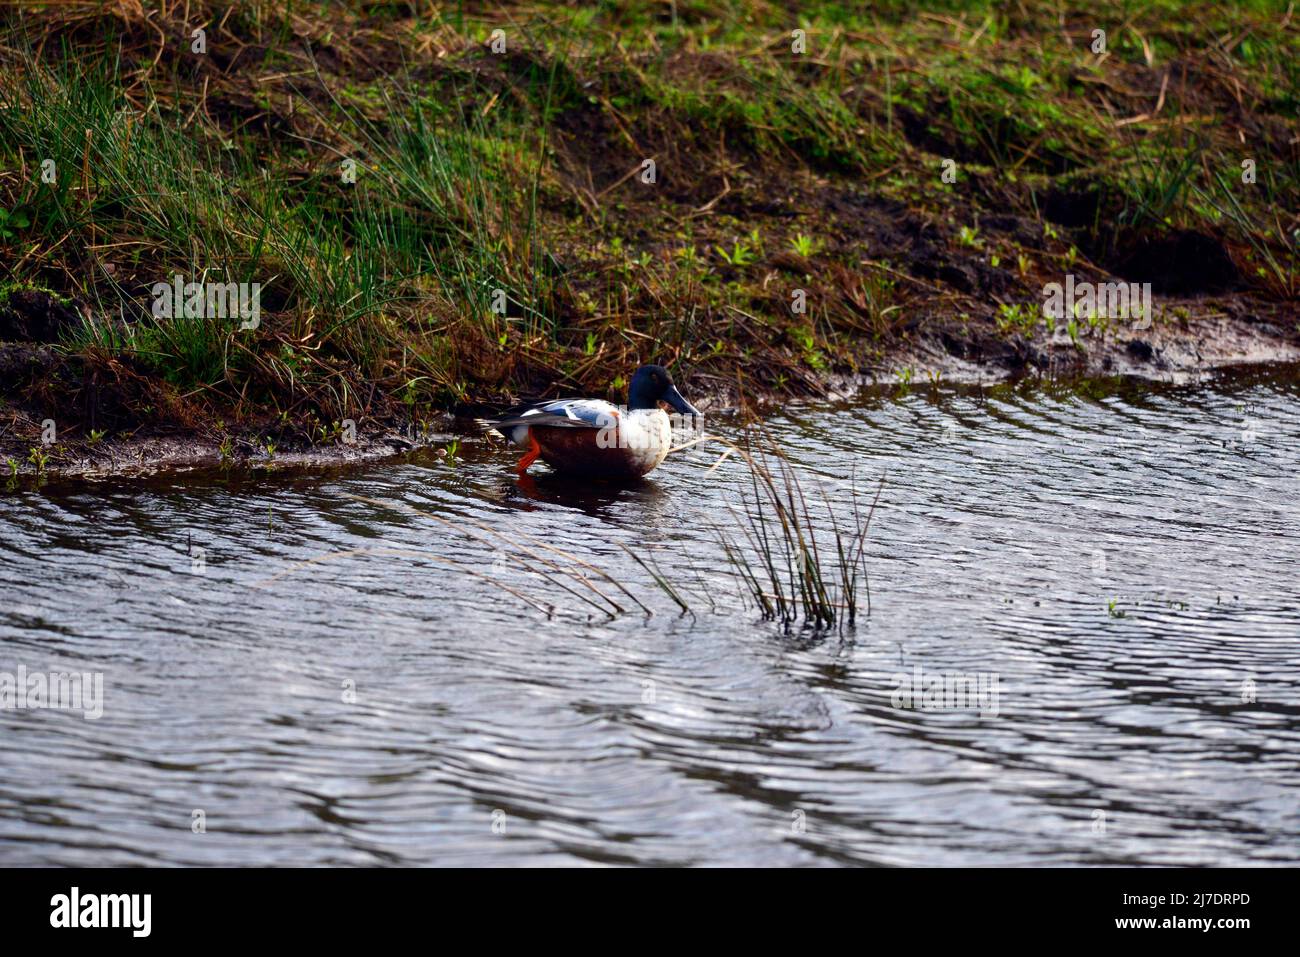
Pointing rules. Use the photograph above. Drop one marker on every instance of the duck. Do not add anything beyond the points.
(595, 438)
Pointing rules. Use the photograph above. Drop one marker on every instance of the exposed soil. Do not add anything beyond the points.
(1217, 335)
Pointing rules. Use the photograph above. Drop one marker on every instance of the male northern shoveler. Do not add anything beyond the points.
(594, 437)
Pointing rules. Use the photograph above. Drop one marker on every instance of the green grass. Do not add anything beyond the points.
(340, 254)
(484, 180)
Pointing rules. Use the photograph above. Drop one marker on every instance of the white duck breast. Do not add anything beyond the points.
(644, 436)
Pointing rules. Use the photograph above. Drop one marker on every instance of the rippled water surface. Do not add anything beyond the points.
(348, 676)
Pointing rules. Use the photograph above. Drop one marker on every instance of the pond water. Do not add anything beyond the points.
(343, 666)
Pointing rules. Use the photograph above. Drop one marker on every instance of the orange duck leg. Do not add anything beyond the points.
(530, 456)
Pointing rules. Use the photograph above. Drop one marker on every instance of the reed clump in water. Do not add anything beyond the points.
(794, 568)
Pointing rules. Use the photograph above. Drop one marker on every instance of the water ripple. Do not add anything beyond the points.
(342, 667)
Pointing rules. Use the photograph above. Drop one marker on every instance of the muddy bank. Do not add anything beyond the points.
(809, 218)
(1195, 339)
(140, 455)
(772, 224)
(1219, 337)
